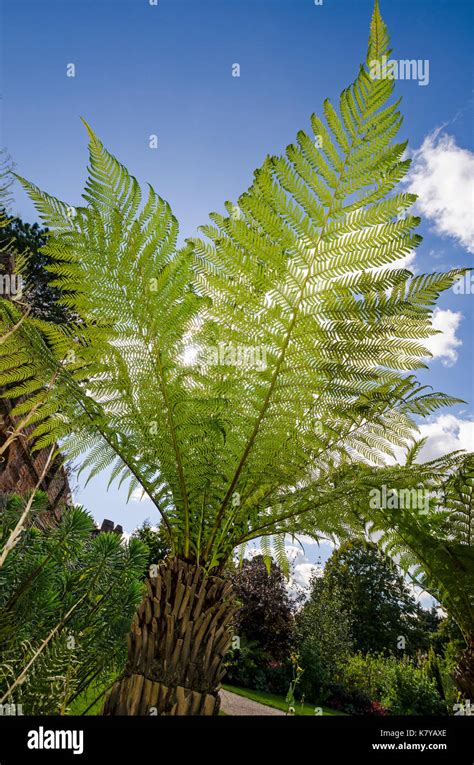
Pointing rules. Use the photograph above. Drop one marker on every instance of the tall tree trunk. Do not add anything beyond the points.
(179, 637)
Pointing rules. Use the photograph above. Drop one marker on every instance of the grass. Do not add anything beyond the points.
(278, 702)
(80, 704)
(268, 699)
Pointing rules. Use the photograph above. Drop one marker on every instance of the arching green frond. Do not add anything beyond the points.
(234, 378)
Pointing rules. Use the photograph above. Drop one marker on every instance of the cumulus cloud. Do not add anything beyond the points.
(446, 433)
(302, 575)
(408, 262)
(442, 175)
(444, 345)
(301, 568)
(292, 552)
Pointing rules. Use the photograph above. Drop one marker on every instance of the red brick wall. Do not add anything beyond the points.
(21, 468)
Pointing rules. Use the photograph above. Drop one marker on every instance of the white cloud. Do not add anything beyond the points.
(445, 434)
(302, 574)
(443, 346)
(137, 495)
(421, 596)
(306, 540)
(442, 175)
(407, 261)
(292, 552)
(301, 568)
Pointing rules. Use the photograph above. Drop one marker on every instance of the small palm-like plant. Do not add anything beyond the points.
(228, 379)
(66, 598)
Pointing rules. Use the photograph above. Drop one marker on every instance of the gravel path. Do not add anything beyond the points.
(233, 704)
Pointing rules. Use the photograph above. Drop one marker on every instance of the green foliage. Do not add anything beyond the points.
(265, 627)
(6, 181)
(66, 601)
(458, 501)
(156, 541)
(432, 669)
(360, 604)
(267, 611)
(447, 634)
(431, 543)
(27, 241)
(303, 270)
(374, 595)
(297, 672)
(251, 666)
(90, 701)
(436, 547)
(448, 664)
(399, 685)
(324, 638)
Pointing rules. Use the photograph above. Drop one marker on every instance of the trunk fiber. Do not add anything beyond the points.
(179, 637)
(464, 673)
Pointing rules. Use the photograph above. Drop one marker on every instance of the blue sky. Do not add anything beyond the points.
(167, 70)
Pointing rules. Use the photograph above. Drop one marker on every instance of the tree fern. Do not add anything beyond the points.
(306, 277)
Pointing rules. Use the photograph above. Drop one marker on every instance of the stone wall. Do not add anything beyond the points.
(21, 468)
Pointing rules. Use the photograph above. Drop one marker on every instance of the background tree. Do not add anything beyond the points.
(266, 613)
(375, 596)
(20, 253)
(25, 241)
(436, 548)
(355, 614)
(264, 626)
(324, 637)
(156, 541)
(432, 543)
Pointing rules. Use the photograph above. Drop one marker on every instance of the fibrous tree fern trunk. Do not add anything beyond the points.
(464, 672)
(179, 637)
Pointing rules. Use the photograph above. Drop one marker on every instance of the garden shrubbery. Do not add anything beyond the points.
(251, 667)
(399, 685)
(346, 637)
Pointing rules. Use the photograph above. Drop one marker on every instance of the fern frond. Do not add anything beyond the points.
(229, 377)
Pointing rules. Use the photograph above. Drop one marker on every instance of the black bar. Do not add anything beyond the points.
(150, 739)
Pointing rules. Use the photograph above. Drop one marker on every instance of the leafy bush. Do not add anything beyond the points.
(324, 638)
(67, 597)
(252, 667)
(345, 699)
(377, 709)
(156, 541)
(265, 625)
(408, 691)
(398, 685)
(448, 664)
(266, 613)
